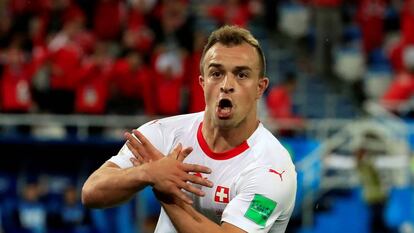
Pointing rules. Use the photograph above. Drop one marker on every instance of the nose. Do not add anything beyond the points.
(227, 85)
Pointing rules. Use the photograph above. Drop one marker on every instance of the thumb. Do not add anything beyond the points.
(184, 153)
(175, 152)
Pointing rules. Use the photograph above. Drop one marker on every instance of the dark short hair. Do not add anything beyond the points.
(234, 35)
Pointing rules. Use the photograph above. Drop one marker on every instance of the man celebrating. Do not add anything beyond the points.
(254, 179)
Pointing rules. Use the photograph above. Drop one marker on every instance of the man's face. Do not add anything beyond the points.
(231, 84)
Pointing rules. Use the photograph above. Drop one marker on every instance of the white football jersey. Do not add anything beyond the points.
(254, 183)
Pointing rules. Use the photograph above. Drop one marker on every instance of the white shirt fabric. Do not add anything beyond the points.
(254, 183)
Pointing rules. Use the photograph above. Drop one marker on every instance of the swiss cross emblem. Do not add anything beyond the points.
(222, 194)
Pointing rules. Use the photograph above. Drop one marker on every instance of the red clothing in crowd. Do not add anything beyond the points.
(231, 14)
(65, 65)
(407, 39)
(15, 92)
(370, 17)
(279, 106)
(279, 103)
(135, 84)
(407, 21)
(400, 90)
(168, 94)
(108, 19)
(139, 35)
(18, 7)
(15, 86)
(92, 90)
(197, 102)
(169, 82)
(396, 56)
(327, 3)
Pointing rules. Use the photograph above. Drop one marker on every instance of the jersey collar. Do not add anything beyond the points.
(219, 156)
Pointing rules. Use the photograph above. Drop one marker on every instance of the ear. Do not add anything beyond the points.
(201, 81)
(261, 86)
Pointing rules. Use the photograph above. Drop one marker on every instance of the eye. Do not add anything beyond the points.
(215, 74)
(242, 75)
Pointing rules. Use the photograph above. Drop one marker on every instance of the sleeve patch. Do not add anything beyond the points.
(260, 209)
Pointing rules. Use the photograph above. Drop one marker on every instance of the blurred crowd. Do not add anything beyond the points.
(107, 56)
(40, 207)
(142, 56)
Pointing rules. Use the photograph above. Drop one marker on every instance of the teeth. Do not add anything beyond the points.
(225, 110)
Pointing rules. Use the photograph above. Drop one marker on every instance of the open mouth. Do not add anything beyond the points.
(224, 108)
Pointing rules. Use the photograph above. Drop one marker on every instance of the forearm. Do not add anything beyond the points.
(187, 220)
(110, 185)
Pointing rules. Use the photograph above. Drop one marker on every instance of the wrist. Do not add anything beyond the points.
(145, 175)
(162, 198)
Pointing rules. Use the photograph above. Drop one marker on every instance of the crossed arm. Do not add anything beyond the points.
(183, 216)
(110, 185)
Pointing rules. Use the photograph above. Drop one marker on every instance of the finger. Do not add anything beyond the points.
(184, 153)
(135, 145)
(190, 188)
(135, 152)
(132, 149)
(182, 196)
(133, 141)
(198, 180)
(195, 168)
(135, 162)
(141, 138)
(175, 151)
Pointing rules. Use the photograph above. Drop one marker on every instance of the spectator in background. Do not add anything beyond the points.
(328, 32)
(172, 27)
(197, 102)
(109, 16)
(67, 215)
(407, 21)
(92, 90)
(16, 78)
(396, 53)
(138, 35)
(170, 70)
(31, 214)
(74, 217)
(401, 88)
(231, 12)
(131, 86)
(374, 192)
(370, 17)
(65, 57)
(280, 106)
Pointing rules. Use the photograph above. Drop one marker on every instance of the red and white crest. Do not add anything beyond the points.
(222, 194)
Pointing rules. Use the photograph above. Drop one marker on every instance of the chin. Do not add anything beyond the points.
(226, 123)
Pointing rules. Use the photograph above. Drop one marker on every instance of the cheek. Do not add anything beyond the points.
(247, 96)
(208, 93)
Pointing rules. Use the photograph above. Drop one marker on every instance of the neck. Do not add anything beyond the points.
(223, 139)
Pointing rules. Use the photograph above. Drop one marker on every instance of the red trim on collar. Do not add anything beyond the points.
(219, 156)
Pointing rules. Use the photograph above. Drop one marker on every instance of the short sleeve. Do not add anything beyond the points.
(153, 132)
(265, 199)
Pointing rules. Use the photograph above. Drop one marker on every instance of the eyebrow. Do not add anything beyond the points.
(237, 68)
(240, 68)
(216, 65)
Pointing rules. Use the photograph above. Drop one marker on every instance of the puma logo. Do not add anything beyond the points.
(278, 173)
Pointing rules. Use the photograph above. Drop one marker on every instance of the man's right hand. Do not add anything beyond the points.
(167, 174)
